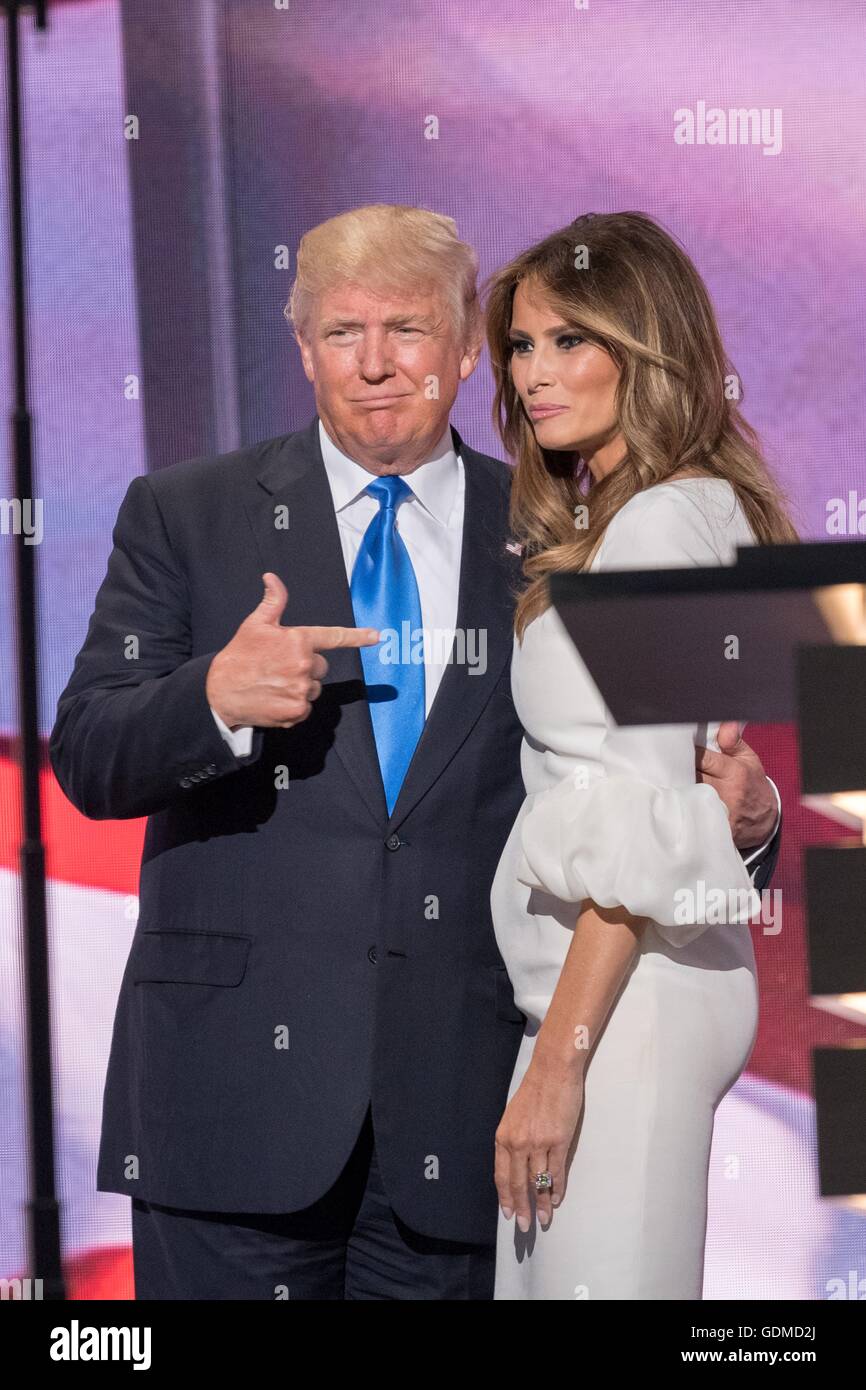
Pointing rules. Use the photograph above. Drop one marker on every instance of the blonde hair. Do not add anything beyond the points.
(641, 299)
(389, 248)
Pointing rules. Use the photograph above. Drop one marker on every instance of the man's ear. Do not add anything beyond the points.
(469, 360)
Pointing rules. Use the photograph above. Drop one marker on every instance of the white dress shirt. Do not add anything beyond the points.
(430, 523)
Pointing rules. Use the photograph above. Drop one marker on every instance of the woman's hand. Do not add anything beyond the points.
(534, 1135)
(540, 1120)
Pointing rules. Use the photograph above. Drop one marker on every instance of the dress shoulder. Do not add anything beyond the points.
(690, 521)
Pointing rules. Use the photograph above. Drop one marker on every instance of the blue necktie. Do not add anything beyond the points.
(385, 596)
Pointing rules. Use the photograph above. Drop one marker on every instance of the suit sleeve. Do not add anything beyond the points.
(761, 862)
(642, 833)
(134, 731)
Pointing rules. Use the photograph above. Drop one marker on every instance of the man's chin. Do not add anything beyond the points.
(384, 426)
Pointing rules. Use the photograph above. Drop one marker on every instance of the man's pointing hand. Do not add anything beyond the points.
(268, 675)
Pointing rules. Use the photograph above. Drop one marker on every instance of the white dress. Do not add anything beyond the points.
(615, 814)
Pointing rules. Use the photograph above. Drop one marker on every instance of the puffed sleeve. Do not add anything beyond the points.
(642, 833)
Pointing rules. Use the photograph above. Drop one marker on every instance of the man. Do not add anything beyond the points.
(315, 1030)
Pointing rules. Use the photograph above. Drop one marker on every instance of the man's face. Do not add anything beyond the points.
(385, 373)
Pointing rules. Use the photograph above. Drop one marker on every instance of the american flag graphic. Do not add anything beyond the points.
(770, 1235)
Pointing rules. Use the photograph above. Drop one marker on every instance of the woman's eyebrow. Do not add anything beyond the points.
(554, 332)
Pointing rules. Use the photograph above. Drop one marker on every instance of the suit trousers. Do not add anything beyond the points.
(349, 1244)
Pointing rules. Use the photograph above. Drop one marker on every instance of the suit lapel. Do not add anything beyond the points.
(307, 555)
(485, 605)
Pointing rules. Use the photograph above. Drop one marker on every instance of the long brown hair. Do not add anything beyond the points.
(641, 299)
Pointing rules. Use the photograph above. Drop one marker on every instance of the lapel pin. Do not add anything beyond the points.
(515, 547)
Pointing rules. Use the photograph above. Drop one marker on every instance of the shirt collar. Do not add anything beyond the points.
(434, 482)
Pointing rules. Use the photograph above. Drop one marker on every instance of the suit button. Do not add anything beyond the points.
(185, 782)
(393, 842)
(371, 955)
(211, 769)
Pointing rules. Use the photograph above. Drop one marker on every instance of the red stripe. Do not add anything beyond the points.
(106, 854)
(90, 853)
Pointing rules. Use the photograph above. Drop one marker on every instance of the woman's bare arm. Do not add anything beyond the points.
(539, 1122)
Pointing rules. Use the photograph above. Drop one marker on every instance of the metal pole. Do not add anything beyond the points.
(43, 1214)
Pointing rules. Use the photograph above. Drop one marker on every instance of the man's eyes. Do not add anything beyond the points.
(345, 332)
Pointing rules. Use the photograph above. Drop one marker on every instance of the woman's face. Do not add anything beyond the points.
(567, 385)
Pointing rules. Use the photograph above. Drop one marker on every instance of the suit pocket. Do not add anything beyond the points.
(190, 958)
(506, 1009)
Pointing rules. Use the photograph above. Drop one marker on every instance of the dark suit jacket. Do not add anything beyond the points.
(299, 954)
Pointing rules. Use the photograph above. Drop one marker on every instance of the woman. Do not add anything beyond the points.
(612, 394)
